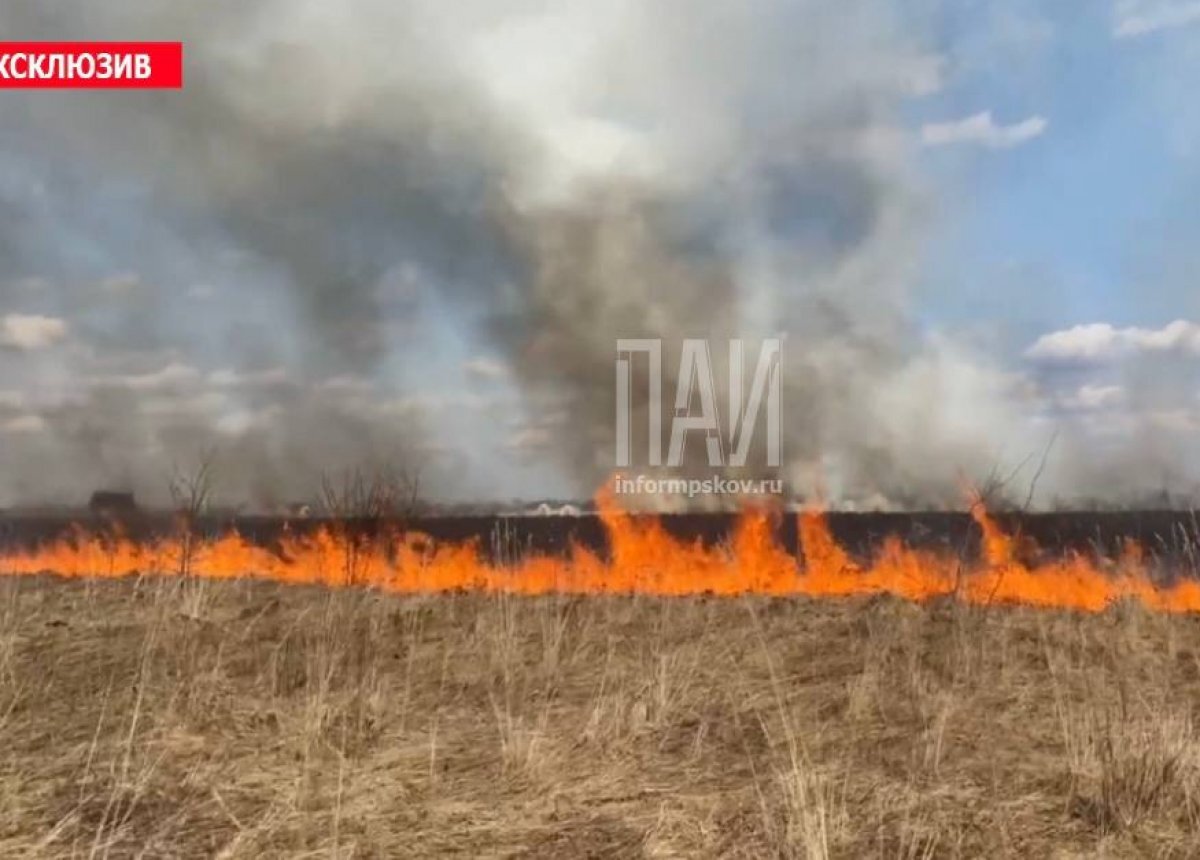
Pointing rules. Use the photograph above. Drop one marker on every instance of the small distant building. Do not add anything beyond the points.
(110, 503)
(300, 510)
(546, 509)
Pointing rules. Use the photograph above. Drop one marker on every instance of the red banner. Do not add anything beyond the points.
(91, 65)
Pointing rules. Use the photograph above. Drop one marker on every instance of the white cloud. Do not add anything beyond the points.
(346, 384)
(27, 332)
(1139, 17)
(1126, 424)
(121, 284)
(981, 129)
(1101, 342)
(1089, 398)
(530, 440)
(173, 375)
(432, 403)
(485, 368)
(177, 405)
(24, 424)
(1177, 420)
(230, 378)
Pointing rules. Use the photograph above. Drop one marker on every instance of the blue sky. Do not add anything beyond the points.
(1083, 222)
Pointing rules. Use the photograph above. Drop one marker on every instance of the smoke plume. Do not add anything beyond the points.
(547, 177)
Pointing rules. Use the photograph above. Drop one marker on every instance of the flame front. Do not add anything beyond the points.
(644, 559)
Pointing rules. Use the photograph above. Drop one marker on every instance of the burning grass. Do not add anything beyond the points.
(643, 558)
(161, 717)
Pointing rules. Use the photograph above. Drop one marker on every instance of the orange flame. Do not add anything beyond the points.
(644, 559)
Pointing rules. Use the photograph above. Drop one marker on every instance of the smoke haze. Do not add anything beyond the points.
(348, 201)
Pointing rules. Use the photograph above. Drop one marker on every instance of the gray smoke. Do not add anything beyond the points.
(553, 178)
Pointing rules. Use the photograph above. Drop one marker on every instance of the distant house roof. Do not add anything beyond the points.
(546, 509)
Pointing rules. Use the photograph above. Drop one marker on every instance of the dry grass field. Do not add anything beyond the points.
(166, 718)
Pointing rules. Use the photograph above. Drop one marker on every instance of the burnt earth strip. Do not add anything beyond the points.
(1170, 536)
